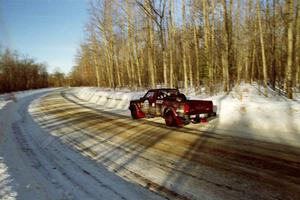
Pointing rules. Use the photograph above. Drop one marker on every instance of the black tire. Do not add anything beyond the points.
(133, 113)
(169, 118)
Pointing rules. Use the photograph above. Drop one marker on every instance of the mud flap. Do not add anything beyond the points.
(140, 114)
(203, 120)
(180, 122)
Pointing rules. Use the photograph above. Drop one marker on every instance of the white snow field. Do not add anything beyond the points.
(244, 112)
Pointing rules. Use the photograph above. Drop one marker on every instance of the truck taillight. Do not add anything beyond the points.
(186, 108)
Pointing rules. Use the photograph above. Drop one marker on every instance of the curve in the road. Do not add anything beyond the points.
(178, 163)
(40, 166)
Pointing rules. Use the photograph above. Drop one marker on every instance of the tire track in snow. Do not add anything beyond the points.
(60, 160)
(61, 172)
(243, 164)
(46, 167)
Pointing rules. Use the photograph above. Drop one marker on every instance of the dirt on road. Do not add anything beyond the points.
(37, 165)
(177, 163)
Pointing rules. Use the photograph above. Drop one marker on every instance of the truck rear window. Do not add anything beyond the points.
(167, 93)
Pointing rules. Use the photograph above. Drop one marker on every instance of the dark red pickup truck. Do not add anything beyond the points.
(172, 106)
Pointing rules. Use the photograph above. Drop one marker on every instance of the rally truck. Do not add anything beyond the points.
(173, 106)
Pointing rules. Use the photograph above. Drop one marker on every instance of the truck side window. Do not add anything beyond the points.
(149, 94)
(181, 97)
(160, 95)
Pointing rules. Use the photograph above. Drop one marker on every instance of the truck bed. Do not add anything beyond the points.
(199, 106)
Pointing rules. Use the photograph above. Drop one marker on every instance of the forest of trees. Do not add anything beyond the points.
(21, 73)
(213, 44)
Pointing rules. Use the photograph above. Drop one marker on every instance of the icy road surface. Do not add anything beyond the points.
(37, 165)
(176, 163)
(56, 146)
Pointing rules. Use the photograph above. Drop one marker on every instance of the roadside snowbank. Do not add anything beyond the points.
(245, 104)
(117, 99)
(244, 112)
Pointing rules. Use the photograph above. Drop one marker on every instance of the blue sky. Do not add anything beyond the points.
(49, 31)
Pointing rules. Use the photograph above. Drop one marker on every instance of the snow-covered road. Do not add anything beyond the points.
(54, 145)
(176, 163)
(37, 165)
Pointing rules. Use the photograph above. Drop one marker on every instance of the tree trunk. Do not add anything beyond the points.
(206, 44)
(183, 38)
(265, 75)
(273, 49)
(196, 49)
(289, 76)
(150, 51)
(171, 42)
(297, 47)
(137, 62)
(212, 48)
(96, 64)
(190, 70)
(164, 57)
(228, 44)
(238, 52)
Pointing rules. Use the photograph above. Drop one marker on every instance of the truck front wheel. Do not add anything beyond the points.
(169, 118)
(133, 111)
